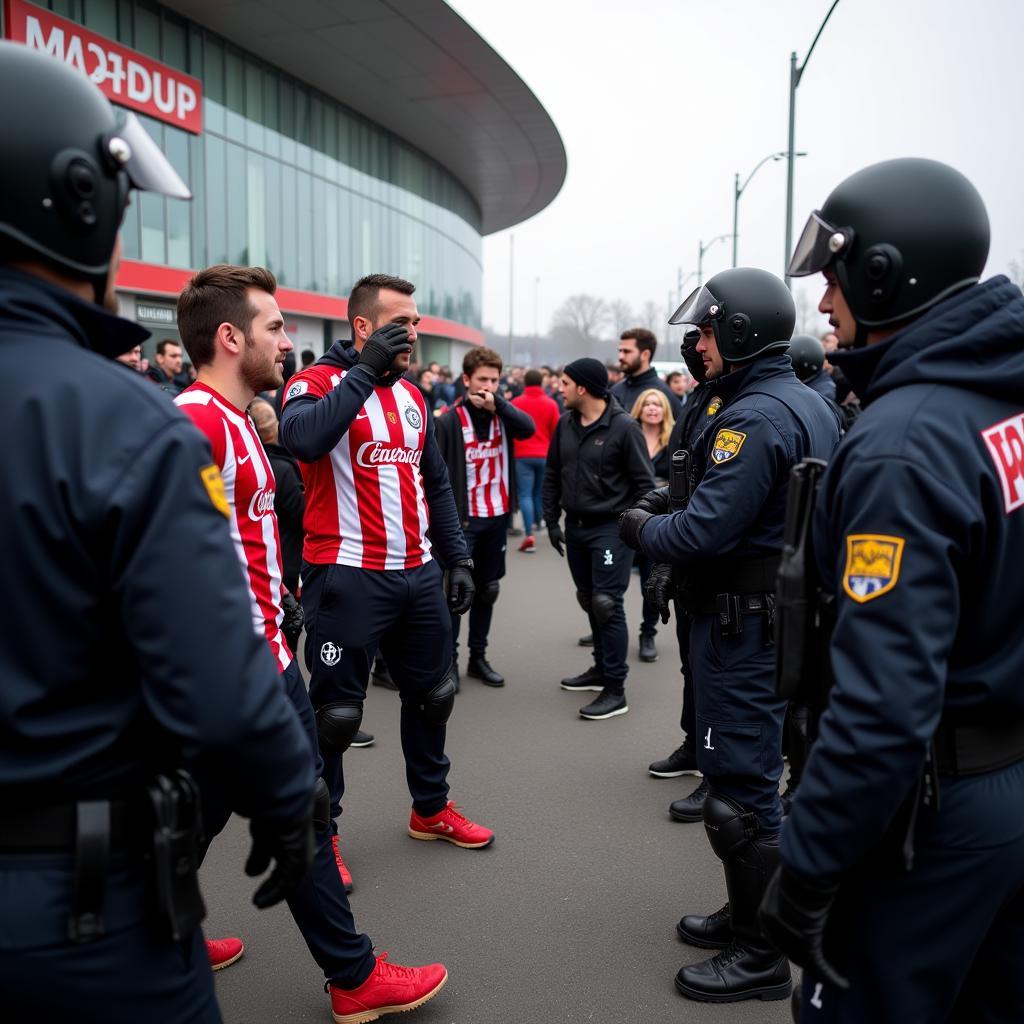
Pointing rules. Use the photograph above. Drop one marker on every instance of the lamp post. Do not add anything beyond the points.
(739, 189)
(700, 256)
(795, 74)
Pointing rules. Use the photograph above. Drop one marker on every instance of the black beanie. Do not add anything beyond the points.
(590, 374)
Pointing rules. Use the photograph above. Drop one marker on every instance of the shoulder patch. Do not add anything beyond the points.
(214, 484)
(713, 406)
(727, 445)
(872, 565)
(1005, 442)
(300, 387)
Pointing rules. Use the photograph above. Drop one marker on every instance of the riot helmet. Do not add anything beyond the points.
(900, 236)
(807, 355)
(68, 161)
(750, 311)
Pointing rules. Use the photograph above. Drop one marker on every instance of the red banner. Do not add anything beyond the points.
(126, 76)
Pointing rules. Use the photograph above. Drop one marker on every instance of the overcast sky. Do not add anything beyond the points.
(660, 102)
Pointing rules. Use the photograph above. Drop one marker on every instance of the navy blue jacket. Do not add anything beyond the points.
(126, 631)
(311, 427)
(768, 422)
(919, 532)
(823, 384)
(629, 389)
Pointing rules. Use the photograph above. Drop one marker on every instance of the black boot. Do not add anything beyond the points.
(648, 650)
(713, 931)
(690, 808)
(750, 967)
(480, 668)
(591, 679)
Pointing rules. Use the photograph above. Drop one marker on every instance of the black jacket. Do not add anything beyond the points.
(289, 505)
(596, 472)
(515, 424)
(126, 632)
(629, 389)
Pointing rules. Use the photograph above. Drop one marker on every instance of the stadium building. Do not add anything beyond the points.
(325, 140)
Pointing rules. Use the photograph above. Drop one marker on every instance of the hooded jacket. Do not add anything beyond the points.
(919, 533)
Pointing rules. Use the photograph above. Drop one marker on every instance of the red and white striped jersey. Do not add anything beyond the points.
(365, 502)
(486, 469)
(249, 487)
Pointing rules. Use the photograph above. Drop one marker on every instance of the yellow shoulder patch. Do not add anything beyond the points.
(214, 484)
(713, 406)
(727, 445)
(872, 565)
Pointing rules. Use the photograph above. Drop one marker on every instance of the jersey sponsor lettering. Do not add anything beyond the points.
(872, 565)
(1005, 443)
(365, 502)
(247, 489)
(486, 469)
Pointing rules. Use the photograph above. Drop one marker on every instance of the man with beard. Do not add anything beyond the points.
(235, 336)
(636, 350)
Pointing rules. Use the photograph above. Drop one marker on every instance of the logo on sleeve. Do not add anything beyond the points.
(300, 387)
(727, 445)
(214, 484)
(872, 565)
(1005, 443)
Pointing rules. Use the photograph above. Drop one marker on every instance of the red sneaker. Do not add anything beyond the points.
(528, 544)
(390, 988)
(452, 827)
(346, 876)
(223, 952)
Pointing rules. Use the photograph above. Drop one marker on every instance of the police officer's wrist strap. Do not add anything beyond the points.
(975, 749)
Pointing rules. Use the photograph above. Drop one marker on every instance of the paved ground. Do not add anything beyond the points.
(570, 916)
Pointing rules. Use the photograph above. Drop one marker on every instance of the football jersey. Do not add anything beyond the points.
(486, 469)
(365, 503)
(249, 488)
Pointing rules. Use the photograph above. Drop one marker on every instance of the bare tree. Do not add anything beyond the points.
(579, 320)
(620, 314)
(652, 316)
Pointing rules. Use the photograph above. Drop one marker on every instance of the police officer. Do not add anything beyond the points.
(105, 484)
(727, 543)
(902, 883)
(597, 466)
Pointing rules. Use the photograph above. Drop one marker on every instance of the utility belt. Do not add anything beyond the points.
(163, 826)
(734, 590)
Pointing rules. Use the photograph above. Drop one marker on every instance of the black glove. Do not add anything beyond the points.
(658, 589)
(291, 624)
(793, 916)
(631, 525)
(461, 587)
(557, 538)
(383, 346)
(291, 845)
(657, 502)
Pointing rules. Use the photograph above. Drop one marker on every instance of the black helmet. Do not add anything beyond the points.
(67, 162)
(751, 311)
(901, 236)
(807, 355)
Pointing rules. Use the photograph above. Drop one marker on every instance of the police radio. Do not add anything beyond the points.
(679, 480)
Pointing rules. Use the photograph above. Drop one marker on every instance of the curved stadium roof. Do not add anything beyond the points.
(416, 68)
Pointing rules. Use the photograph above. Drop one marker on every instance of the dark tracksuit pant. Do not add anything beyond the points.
(351, 613)
(486, 539)
(601, 563)
(688, 717)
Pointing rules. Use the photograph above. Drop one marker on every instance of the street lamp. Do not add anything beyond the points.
(795, 74)
(700, 256)
(739, 189)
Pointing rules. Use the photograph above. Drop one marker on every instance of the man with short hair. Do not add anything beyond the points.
(234, 332)
(375, 479)
(168, 366)
(636, 351)
(307, 357)
(680, 384)
(474, 438)
(597, 466)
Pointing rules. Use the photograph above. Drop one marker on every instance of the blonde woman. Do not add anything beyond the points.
(652, 411)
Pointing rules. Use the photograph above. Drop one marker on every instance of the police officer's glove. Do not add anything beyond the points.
(291, 846)
(461, 587)
(658, 589)
(557, 539)
(793, 914)
(291, 624)
(631, 525)
(657, 502)
(381, 348)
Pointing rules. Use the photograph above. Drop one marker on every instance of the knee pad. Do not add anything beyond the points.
(435, 706)
(583, 596)
(604, 606)
(487, 594)
(321, 806)
(730, 828)
(337, 724)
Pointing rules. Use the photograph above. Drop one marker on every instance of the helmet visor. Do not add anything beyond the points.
(131, 147)
(700, 307)
(820, 243)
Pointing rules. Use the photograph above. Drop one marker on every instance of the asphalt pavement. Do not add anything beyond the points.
(570, 915)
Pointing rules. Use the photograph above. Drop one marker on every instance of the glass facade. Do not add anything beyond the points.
(286, 177)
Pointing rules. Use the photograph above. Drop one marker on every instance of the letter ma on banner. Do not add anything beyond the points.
(125, 76)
